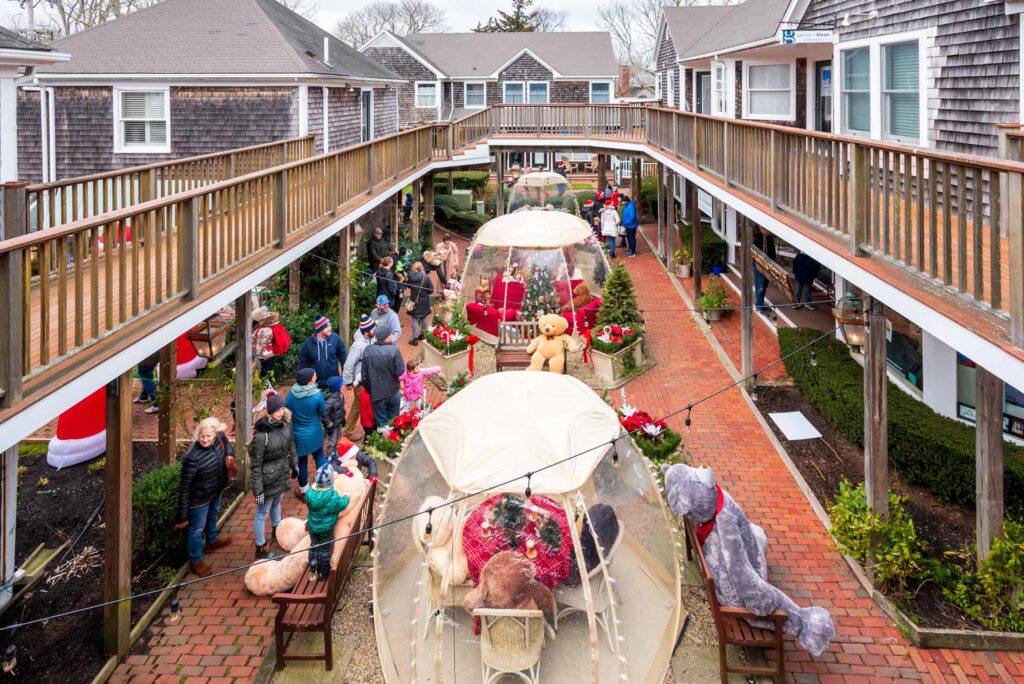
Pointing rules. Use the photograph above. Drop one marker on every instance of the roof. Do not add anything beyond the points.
(213, 37)
(579, 54)
(12, 40)
(687, 25)
(748, 22)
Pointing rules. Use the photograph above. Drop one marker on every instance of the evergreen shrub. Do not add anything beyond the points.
(155, 498)
(713, 249)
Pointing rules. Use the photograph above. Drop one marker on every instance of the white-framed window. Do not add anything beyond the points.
(856, 65)
(366, 114)
(513, 92)
(769, 91)
(474, 95)
(142, 120)
(657, 85)
(719, 96)
(537, 92)
(670, 94)
(600, 92)
(901, 91)
(426, 94)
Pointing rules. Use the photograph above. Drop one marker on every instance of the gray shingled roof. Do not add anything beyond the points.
(11, 40)
(213, 37)
(748, 22)
(478, 55)
(687, 25)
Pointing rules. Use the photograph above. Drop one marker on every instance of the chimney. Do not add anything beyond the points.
(624, 76)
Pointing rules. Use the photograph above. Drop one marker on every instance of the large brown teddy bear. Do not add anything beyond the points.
(551, 344)
(509, 580)
(580, 298)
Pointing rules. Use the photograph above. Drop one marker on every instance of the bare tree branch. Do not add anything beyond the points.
(551, 20)
(400, 17)
(305, 8)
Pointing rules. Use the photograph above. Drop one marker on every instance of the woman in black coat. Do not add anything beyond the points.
(273, 457)
(420, 289)
(204, 475)
(387, 281)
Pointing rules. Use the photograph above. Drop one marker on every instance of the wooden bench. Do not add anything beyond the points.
(310, 606)
(731, 623)
(513, 339)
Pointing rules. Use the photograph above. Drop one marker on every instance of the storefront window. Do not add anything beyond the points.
(901, 92)
(1013, 399)
(770, 91)
(857, 90)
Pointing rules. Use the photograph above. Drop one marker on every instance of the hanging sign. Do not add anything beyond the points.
(797, 36)
(704, 203)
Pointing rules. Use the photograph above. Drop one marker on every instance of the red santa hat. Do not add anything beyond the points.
(81, 432)
(189, 360)
(588, 203)
(346, 450)
(609, 203)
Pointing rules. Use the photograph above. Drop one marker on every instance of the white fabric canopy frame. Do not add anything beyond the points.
(534, 230)
(541, 179)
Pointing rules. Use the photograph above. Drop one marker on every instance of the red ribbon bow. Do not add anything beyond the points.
(471, 340)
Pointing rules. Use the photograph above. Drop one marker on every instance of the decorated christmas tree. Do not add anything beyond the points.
(540, 296)
(618, 301)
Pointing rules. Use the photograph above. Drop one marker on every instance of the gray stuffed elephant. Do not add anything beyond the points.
(735, 552)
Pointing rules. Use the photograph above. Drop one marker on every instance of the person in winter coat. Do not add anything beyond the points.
(204, 475)
(325, 504)
(323, 352)
(335, 414)
(382, 368)
(387, 281)
(449, 253)
(630, 222)
(413, 380)
(805, 271)
(376, 248)
(347, 451)
(263, 339)
(146, 369)
(384, 314)
(610, 226)
(420, 289)
(352, 374)
(272, 457)
(308, 408)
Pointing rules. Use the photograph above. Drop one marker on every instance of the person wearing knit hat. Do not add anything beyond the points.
(382, 367)
(309, 409)
(610, 226)
(335, 414)
(385, 314)
(270, 340)
(351, 375)
(325, 505)
(272, 457)
(324, 352)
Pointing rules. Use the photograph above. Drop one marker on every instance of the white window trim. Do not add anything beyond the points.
(657, 85)
(119, 145)
(373, 105)
(465, 89)
(728, 81)
(504, 91)
(682, 88)
(670, 94)
(925, 38)
(547, 92)
(611, 91)
(416, 94)
(789, 116)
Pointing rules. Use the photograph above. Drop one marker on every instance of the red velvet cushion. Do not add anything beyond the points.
(516, 293)
(562, 290)
(484, 318)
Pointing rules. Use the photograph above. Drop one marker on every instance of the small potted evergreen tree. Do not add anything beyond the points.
(619, 331)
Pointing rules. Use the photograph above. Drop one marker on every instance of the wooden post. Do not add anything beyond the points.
(499, 197)
(371, 169)
(860, 196)
(190, 210)
(696, 245)
(876, 428)
(414, 217)
(9, 515)
(600, 171)
(451, 182)
(428, 200)
(746, 298)
(243, 388)
(988, 460)
(280, 210)
(1011, 217)
(773, 169)
(344, 284)
(670, 214)
(12, 298)
(117, 517)
(660, 204)
(637, 178)
(294, 275)
(396, 220)
(167, 440)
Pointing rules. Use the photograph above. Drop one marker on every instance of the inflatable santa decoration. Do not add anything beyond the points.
(81, 432)
(189, 361)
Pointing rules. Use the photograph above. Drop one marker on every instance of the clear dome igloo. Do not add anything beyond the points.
(543, 190)
(510, 252)
(616, 623)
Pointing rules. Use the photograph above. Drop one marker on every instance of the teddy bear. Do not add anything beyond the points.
(580, 298)
(735, 552)
(446, 552)
(509, 580)
(551, 344)
(281, 574)
(482, 293)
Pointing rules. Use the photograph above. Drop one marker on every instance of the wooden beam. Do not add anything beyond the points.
(670, 225)
(12, 298)
(428, 200)
(9, 515)
(117, 517)
(396, 219)
(414, 217)
(660, 204)
(637, 178)
(243, 388)
(746, 297)
(695, 246)
(293, 285)
(876, 428)
(167, 443)
(600, 171)
(988, 460)
(499, 168)
(344, 284)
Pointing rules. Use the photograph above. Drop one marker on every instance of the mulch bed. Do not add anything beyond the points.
(49, 514)
(943, 527)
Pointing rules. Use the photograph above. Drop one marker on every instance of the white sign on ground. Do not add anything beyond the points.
(795, 426)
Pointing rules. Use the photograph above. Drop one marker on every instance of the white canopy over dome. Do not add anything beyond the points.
(541, 178)
(534, 229)
(506, 424)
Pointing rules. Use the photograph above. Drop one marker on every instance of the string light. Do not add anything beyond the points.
(430, 526)
(10, 660)
(175, 610)
(753, 388)
(687, 422)
(814, 358)
(528, 491)
(615, 454)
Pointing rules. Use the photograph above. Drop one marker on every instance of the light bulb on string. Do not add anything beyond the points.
(429, 530)
(753, 388)
(814, 358)
(10, 660)
(528, 492)
(687, 422)
(175, 610)
(615, 454)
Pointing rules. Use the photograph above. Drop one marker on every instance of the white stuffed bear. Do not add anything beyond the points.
(446, 552)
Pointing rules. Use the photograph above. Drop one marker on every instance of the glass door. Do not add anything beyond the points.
(703, 93)
(366, 114)
(823, 96)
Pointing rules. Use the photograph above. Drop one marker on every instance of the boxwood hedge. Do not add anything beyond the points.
(927, 449)
(713, 249)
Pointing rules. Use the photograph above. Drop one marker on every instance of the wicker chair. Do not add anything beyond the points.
(510, 643)
(573, 599)
(453, 597)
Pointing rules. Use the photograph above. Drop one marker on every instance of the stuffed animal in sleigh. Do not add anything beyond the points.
(551, 344)
(735, 552)
(580, 298)
(509, 580)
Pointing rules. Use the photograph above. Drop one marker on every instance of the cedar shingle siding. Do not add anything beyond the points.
(404, 64)
(973, 63)
(666, 60)
(385, 112)
(315, 118)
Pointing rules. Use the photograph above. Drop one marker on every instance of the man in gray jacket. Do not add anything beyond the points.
(382, 367)
(351, 375)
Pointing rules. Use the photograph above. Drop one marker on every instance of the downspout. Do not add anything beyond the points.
(44, 136)
(51, 107)
(326, 123)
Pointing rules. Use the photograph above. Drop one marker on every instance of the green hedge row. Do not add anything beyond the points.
(463, 222)
(463, 180)
(713, 249)
(926, 448)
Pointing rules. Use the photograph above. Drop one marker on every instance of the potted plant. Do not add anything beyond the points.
(656, 440)
(448, 345)
(715, 300)
(684, 262)
(619, 330)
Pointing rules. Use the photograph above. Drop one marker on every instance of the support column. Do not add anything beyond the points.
(344, 285)
(660, 205)
(746, 259)
(243, 388)
(637, 178)
(414, 217)
(499, 198)
(428, 201)
(9, 483)
(117, 517)
(167, 443)
(695, 246)
(396, 220)
(293, 285)
(666, 193)
(988, 459)
(601, 168)
(876, 428)
(451, 182)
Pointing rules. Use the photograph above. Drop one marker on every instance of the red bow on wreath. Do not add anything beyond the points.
(471, 340)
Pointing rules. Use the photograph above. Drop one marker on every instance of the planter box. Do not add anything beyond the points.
(712, 314)
(684, 270)
(606, 366)
(450, 365)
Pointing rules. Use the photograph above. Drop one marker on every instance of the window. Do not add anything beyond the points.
(515, 93)
(718, 101)
(670, 95)
(142, 121)
(900, 92)
(476, 95)
(769, 92)
(857, 91)
(657, 86)
(426, 95)
(539, 93)
(366, 115)
(702, 93)
(600, 92)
